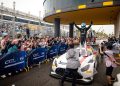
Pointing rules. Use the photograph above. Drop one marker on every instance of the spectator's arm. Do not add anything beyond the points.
(23, 48)
(117, 63)
(46, 44)
(100, 50)
(117, 58)
(2, 45)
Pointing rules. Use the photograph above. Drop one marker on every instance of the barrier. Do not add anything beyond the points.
(62, 49)
(12, 62)
(53, 51)
(19, 60)
(36, 56)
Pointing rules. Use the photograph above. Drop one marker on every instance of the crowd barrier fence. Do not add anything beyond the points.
(16, 61)
(12, 62)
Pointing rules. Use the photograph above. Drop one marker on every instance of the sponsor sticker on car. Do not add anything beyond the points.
(88, 71)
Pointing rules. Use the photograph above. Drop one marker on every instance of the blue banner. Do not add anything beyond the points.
(13, 62)
(62, 49)
(53, 51)
(36, 56)
(19, 60)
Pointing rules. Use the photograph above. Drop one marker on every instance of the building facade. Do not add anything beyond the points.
(101, 12)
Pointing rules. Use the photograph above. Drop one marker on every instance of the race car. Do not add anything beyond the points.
(86, 71)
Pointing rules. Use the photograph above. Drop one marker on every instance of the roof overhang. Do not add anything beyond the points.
(99, 16)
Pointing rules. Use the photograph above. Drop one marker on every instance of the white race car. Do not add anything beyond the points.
(86, 71)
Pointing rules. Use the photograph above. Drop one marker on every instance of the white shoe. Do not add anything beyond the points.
(3, 76)
(9, 74)
(118, 82)
(13, 84)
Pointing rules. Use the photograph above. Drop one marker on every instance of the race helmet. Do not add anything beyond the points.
(83, 25)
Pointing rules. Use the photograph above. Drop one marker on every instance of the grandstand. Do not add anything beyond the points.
(8, 15)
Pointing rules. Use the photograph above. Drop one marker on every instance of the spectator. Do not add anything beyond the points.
(110, 63)
(116, 48)
(4, 43)
(16, 44)
(28, 33)
(43, 43)
(20, 43)
(101, 50)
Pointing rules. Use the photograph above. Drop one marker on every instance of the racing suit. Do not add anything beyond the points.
(83, 32)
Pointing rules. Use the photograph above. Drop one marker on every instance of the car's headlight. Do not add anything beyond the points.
(85, 68)
(55, 63)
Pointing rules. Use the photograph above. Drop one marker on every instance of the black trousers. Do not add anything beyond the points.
(109, 71)
(68, 72)
(83, 39)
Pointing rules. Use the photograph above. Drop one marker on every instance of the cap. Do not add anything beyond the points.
(4, 34)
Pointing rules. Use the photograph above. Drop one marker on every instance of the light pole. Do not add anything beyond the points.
(39, 22)
(2, 11)
(13, 31)
(29, 17)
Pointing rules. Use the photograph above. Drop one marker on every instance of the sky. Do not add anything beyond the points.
(32, 6)
(35, 6)
(108, 29)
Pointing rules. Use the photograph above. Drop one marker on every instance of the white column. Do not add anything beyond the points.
(13, 31)
(117, 26)
(39, 22)
(2, 10)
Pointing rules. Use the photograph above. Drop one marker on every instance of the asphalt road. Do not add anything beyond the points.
(39, 76)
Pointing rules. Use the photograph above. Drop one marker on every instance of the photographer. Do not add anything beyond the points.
(111, 63)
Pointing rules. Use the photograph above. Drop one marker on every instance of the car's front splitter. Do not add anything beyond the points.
(79, 81)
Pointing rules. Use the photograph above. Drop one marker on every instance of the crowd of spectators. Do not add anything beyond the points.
(115, 42)
(8, 27)
(5, 27)
(23, 44)
(113, 39)
(110, 53)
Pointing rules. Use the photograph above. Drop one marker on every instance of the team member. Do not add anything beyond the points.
(72, 65)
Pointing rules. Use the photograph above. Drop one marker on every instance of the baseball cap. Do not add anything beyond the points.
(4, 34)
